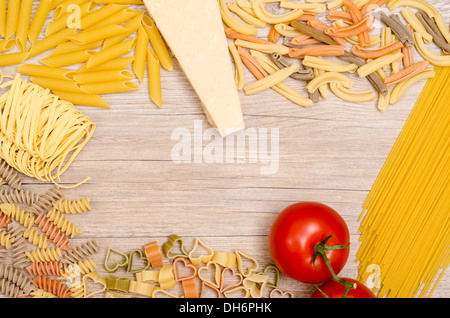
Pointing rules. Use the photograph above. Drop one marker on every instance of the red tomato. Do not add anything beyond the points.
(335, 289)
(295, 233)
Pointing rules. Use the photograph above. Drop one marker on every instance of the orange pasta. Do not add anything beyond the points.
(54, 233)
(406, 73)
(355, 29)
(305, 41)
(317, 50)
(306, 16)
(189, 288)
(274, 35)
(231, 34)
(357, 16)
(51, 285)
(335, 15)
(373, 5)
(374, 53)
(45, 268)
(153, 254)
(252, 65)
(321, 26)
(4, 220)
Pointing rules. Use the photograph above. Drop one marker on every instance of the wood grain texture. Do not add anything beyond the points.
(330, 153)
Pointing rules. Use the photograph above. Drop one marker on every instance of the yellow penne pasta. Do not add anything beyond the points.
(118, 18)
(12, 17)
(131, 26)
(13, 58)
(157, 42)
(51, 41)
(120, 1)
(140, 55)
(101, 14)
(61, 22)
(6, 45)
(154, 69)
(82, 99)
(102, 76)
(110, 53)
(39, 19)
(56, 84)
(26, 7)
(46, 71)
(97, 34)
(66, 59)
(69, 47)
(119, 63)
(2, 17)
(109, 87)
(62, 7)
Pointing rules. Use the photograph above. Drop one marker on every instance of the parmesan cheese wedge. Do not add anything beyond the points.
(194, 31)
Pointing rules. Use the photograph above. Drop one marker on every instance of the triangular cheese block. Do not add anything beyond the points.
(193, 29)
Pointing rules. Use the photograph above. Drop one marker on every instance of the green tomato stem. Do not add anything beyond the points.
(321, 250)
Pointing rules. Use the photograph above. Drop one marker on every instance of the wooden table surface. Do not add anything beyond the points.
(330, 153)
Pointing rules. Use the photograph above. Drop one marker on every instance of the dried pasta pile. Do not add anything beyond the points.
(39, 132)
(35, 242)
(105, 37)
(324, 54)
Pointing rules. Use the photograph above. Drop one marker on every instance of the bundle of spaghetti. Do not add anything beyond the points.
(39, 132)
(405, 227)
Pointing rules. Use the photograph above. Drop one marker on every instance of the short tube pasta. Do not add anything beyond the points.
(102, 76)
(26, 7)
(97, 34)
(157, 43)
(109, 87)
(140, 55)
(154, 69)
(110, 53)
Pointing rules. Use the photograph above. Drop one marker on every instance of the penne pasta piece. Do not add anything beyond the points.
(119, 1)
(239, 67)
(154, 69)
(6, 45)
(13, 58)
(63, 6)
(157, 42)
(270, 80)
(102, 76)
(39, 19)
(132, 26)
(12, 18)
(101, 14)
(109, 87)
(56, 84)
(26, 7)
(97, 34)
(69, 46)
(66, 59)
(82, 99)
(45, 71)
(2, 18)
(118, 18)
(119, 63)
(140, 55)
(50, 41)
(61, 22)
(110, 53)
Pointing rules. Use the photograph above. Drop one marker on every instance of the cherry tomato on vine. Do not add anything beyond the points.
(300, 236)
(333, 289)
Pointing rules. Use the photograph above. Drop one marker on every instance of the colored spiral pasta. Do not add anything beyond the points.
(18, 196)
(45, 201)
(19, 247)
(61, 222)
(52, 232)
(9, 175)
(6, 239)
(15, 212)
(44, 254)
(73, 206)
(78, 269)
(9, 289)
(36, 238)
(45, 268)
(51, 285)
(81, 252)
(14, 276)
